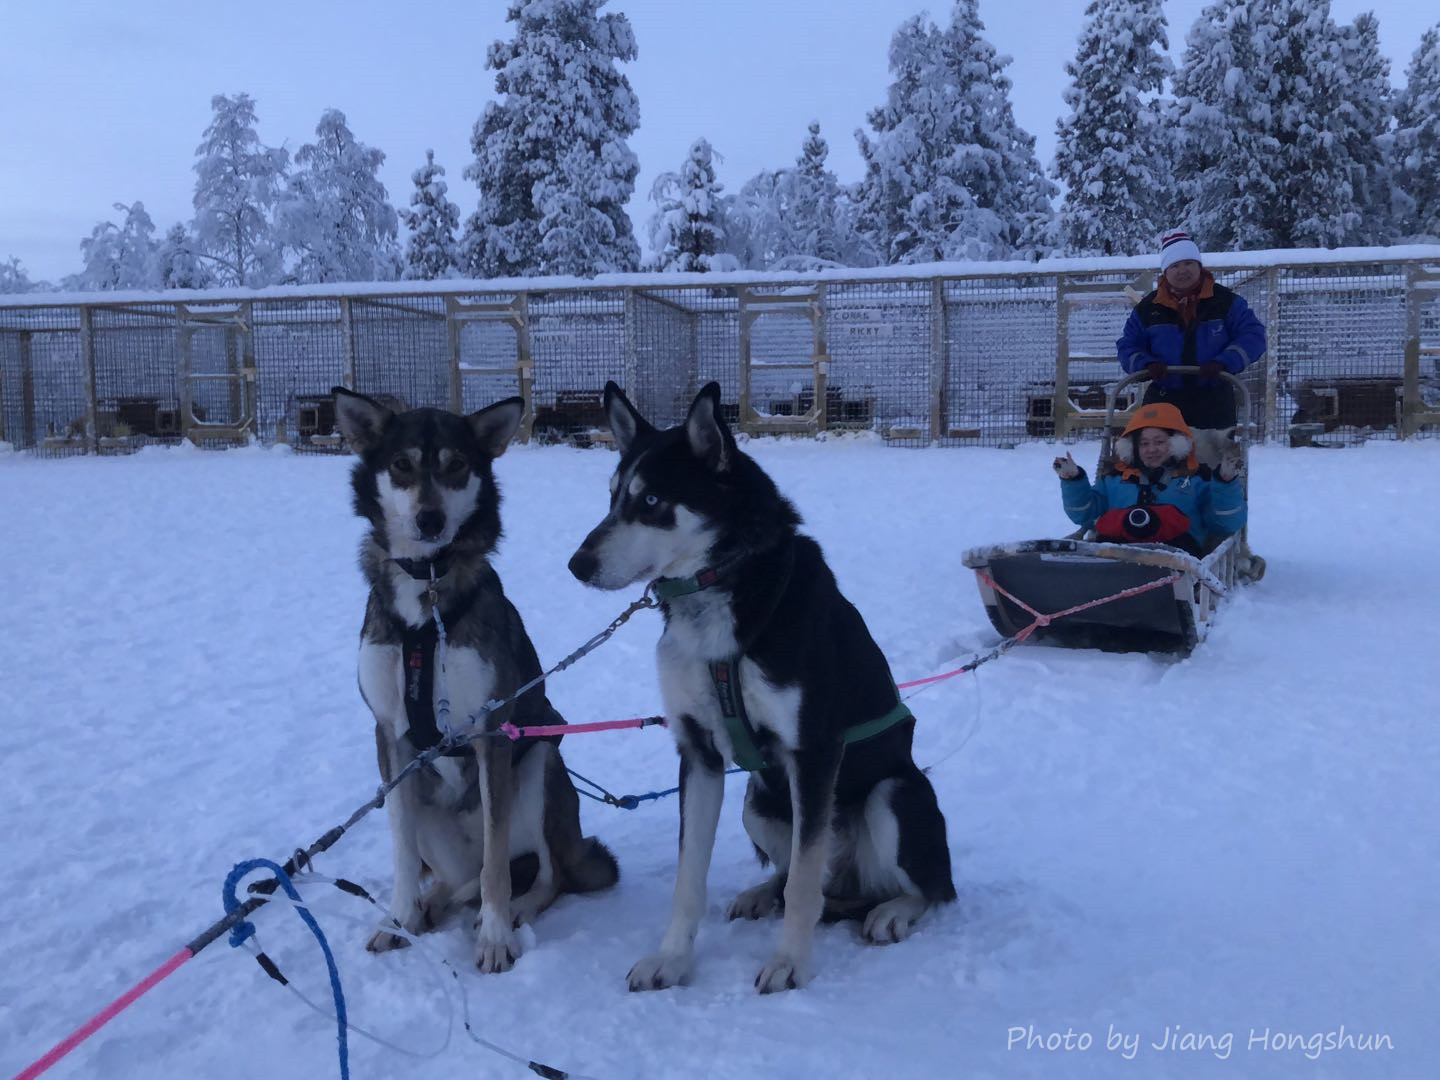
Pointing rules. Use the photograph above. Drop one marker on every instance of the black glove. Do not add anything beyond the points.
(1156, 370)
(1210, 369)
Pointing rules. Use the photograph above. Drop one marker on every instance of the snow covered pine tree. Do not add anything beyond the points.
(1113, 151)
(1260, 172)
(949, 173)
(685, 231)
(553, 145)
(432, 220)
(1417, 138)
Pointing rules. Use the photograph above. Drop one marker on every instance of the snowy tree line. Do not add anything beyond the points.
(1280, 128)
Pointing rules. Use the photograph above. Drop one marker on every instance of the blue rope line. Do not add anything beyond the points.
(245, 929)
(626, 802)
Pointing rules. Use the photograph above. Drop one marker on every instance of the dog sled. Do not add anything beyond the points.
(1079, 592)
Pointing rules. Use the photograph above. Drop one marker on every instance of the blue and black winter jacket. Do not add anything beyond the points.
(1213, 506)
(1225, 330)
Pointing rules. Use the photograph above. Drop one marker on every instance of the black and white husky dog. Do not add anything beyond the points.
(496, 819)
(835, 801)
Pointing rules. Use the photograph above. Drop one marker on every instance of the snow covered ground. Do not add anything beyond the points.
(1240, 843)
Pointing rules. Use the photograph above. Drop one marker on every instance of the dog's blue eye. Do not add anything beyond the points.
(652, 500)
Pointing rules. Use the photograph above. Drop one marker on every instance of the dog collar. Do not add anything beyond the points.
(668, 588)
(420, 569)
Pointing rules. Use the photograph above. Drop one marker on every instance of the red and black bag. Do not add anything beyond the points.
(1153, 524)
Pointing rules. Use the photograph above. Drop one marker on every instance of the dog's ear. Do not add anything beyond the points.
(495, 425)
(625, 423)
(362, 420)
(705, 430)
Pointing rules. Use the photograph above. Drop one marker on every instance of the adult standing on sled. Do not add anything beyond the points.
(1190, 320)
(1158, 493)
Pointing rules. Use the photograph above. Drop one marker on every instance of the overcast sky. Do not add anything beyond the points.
(103, 103)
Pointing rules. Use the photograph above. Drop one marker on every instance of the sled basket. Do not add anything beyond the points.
(1053, 575)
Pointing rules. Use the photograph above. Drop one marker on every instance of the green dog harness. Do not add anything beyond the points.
(725, 674)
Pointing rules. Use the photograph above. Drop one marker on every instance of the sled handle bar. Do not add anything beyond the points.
(1242, 404)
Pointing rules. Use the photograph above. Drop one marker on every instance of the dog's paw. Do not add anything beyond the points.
(783, 972)
(893, 920)
(660, 972)
(493, 957)
(434, 910)
(755, 903)
(385, 939)
(498, 945)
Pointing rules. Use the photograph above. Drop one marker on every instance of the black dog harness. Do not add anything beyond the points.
(417, 653)
(725, 675)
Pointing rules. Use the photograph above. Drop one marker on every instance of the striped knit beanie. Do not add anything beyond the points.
(1176, 246)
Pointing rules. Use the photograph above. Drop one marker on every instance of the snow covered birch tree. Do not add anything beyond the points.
(238, 182)
(1417, 139)
(754, 220)
(554, 143)
(1112, 153)
(432, 220)
(949, 173)
(13, 278)
(799, 218)
(336, 215)
(177, 264)
(121, 256)
(685, 231)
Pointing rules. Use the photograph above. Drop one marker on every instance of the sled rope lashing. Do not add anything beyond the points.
(1046, 620)
(244, 929)
(439, 962)
(473, 728)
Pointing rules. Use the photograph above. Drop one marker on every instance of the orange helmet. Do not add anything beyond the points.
(1157, 414)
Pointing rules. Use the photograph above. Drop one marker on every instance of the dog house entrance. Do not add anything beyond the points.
(217, 373)
(490, 355)
(783, 364)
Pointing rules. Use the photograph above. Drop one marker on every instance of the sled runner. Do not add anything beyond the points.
(1116, 597)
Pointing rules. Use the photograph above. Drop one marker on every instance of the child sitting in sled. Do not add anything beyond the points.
(1158, 493)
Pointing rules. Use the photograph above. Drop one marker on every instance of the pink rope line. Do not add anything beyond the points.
(928, 679)
(1046, 620)
(539, 731)
(1040, 620)
(104, 1016)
